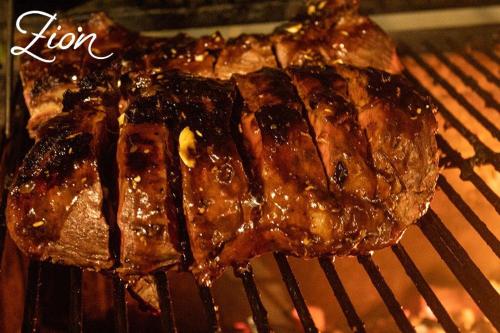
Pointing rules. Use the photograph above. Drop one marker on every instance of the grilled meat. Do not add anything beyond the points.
(357, 116)
(244, 54)
(334, 32)
(400, 126)
(181, 52)
(197, 56)
(341, 141)
(45, 83)
(54, 207)
(296, 208)
(311, 160)
(216, 198)
(147, 214)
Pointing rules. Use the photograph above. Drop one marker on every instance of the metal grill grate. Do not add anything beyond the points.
(443, 241)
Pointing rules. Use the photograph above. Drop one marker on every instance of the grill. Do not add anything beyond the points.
(451, 65)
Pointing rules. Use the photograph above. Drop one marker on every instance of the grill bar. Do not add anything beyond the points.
(120, 306)
(492, 55)
(469, 214)
(210, 308)
(295, 293)
(424, 289)
(75, 301)
(464, 269)
(259, 312)
(386, 293)
(466, 78)
(454, 93)
(32, 297)
(167, 314)
(333, 277)
(483, 70)
(467, 172)
(483, 152)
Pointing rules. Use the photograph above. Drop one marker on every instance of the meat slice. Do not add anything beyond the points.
(298, 212)
(400, 126)
(147, 215)
(334, 32)
(244, 54)
(342, 143)
(218, 206)
(54, 207)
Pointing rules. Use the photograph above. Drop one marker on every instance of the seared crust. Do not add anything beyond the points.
(318, 159)
(45, 83)
(54, 207)
(376, 136)
(216, 198)
(303, 214)
(147, 214)
(401, 130)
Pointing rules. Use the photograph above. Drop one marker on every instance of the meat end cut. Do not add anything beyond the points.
(55, 205)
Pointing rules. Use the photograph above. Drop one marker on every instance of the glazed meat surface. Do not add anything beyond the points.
(400, 127)
(147, 214)
(357, 118)
(334, 32)
(296, 208)
(54, 207)
(302, 214)
(244, 54)
(299, 141)
(216, 198)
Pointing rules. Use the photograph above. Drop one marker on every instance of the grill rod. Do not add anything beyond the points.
(483, 152)
(492, 55)
(32, 297)
(295, 293)
(120, 306)
(163, 291)
(464, 269)
(488, 99)
(425, 290)
(453, 92)
(386, 293)
(470, 215)
(75, 301)
(210, 308)
(258, 310)
(467, 172)
(353, 319)
(483, 70)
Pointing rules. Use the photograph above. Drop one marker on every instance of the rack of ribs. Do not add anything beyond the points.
(300, 141)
